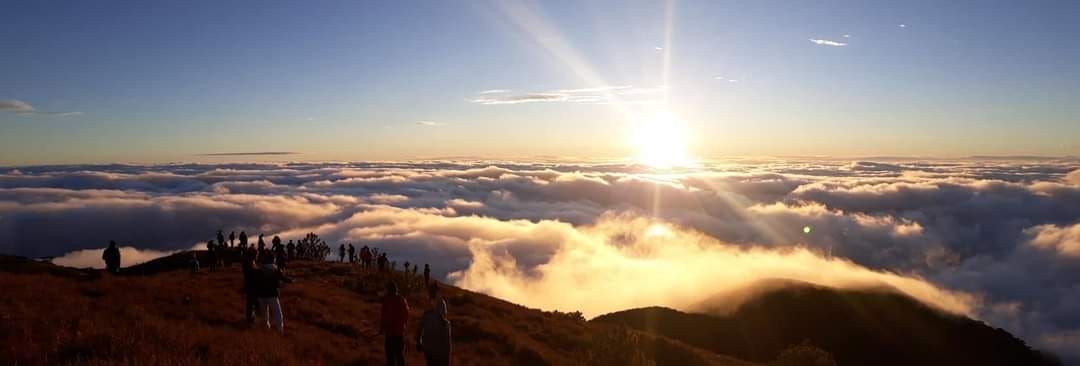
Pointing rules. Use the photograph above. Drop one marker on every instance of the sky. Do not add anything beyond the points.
(153, 82)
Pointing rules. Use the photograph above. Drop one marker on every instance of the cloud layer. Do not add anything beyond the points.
(994, 239)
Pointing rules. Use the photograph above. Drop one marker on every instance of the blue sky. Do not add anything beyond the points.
(159, 82)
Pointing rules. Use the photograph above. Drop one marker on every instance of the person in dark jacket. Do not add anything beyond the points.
(383, 262)
(212, 252)
(243, 240)
(341, 253)
(365, 257)
(395, 316)
(251, 298)
(193, 263)
(111, 256)
(221, 239)
(433, 335)
(275, 243)
(280, 257)
(232, 239)
(268, 279)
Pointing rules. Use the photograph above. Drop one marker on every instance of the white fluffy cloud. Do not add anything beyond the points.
(1063, 240)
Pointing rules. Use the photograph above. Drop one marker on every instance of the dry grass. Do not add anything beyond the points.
(53, 317)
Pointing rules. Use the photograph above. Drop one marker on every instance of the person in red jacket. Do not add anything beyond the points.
(395, 315)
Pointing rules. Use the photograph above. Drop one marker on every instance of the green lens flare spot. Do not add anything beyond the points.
(806, 229)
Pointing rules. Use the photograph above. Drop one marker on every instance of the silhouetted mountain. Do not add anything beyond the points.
(858, 327)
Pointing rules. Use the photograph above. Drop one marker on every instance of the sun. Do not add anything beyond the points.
(661, 141)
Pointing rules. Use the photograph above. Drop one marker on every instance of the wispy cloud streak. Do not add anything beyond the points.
(20, 107)
(589, 95)
(825, 42)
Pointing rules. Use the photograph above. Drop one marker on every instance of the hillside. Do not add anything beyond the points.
(858, 327)
(159, 314)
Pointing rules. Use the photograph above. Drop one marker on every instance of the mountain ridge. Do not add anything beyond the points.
(857, 326)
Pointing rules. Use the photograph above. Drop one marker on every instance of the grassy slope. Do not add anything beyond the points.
(53, 315)
(859, 327)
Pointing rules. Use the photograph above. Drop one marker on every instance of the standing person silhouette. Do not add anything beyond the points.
(243, 240)
(268, 279)
(275, 243)
(262, 244)
(395, 316)
(232, 239)
(427, 274)
(280, 256)
(433, 336)
(352, 253)
(365, 257)
(251, 298)
(341, 253)
(193, 263)
(212, 252)
(221, 239)
(111, 256)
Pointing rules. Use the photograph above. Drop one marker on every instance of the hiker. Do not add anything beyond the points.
(232, 238)
(290, 249)
(395, 315)
(211, 250)
(268, 279)
(243, 240)
(341, 253)
(427, 274)
(193, 263)
(352, 253)
(433, 335)
(262, 244)
(365, 257)
(111, 256)
(220, 238)
(275, 243)
(382, 262)
(251, 298)
(280, 257)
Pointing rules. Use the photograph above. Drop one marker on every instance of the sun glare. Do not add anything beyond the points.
(657, 230)
(661, 142)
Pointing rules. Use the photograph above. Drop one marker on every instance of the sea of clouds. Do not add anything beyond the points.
(998, 240)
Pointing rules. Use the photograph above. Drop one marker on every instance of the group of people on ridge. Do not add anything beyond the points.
(264, 273)
(221, 251)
